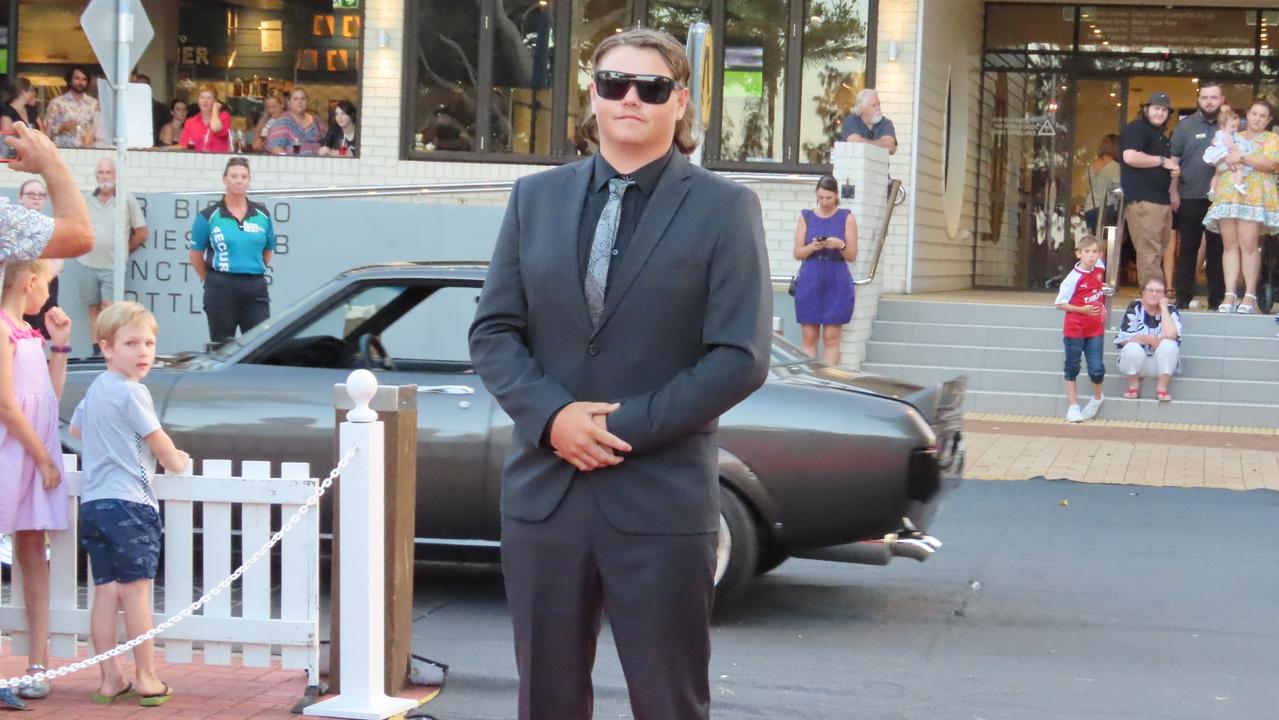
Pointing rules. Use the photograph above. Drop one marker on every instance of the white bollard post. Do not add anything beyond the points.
(362, 583)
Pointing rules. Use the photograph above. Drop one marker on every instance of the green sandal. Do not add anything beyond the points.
(125, 694)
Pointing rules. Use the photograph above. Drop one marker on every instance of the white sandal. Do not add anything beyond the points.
(1247, 309)
(1227, 307)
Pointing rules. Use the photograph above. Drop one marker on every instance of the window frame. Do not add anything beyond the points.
(561, 150)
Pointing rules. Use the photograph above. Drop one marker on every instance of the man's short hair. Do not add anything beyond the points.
(1154, 279)
(1088, 241)
(71, 71)
(33, 181)
(672, 54)
(122, 315)
(1211, 84)
(862, 96)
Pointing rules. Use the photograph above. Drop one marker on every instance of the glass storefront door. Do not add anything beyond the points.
(1024, 217)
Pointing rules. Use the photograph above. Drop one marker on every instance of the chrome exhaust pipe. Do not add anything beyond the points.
(906, 543)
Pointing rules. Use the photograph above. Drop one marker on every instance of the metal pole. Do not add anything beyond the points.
(120, 236)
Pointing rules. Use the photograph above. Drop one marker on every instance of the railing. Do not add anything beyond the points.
(1114, 243)
(294, 629)
(468, 187)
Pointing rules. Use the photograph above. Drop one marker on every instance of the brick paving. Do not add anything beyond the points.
(200, 692)
(1015, 448)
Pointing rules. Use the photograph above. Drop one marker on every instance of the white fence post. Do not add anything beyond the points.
(362, 582)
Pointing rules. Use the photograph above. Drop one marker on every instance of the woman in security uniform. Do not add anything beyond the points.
(231, 246)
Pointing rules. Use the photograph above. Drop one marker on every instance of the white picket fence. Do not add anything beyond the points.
(257, 628)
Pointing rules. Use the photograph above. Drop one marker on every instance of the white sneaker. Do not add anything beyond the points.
(1073, 415)
(1090, 410)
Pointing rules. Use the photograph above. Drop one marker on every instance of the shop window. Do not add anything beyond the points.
(1030, 27)
(753, 114)
(445, 56)
(246, 51)
(836, 40)
(774, 99)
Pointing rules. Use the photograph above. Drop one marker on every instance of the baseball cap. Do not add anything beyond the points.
(1161, 99)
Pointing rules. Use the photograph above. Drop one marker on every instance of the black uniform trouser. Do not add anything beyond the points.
(234, 300)
(563, 573)
(1189, 222)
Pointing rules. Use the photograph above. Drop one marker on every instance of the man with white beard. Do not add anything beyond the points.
(97, 282)
(867, 123)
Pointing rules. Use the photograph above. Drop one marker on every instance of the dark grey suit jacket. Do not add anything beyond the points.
(685, 335)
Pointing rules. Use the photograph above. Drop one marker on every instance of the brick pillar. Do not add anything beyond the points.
(865, 166)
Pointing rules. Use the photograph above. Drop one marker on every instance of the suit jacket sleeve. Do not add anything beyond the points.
(499, 347)
(736, 334)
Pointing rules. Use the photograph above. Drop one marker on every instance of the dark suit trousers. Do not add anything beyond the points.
(563, 573)
(1190, 230)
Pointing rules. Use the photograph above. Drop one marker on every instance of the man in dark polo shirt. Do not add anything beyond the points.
(867, 123)
(1190, 201)
(1146, 170)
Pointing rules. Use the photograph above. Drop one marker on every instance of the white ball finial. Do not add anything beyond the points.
(361, 386)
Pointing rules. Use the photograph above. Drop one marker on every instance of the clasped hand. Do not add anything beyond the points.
(580, 436)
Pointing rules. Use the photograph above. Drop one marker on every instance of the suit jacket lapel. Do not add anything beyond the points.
(564, 246)
(666, 199)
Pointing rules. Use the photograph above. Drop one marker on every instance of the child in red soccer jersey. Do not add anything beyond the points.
(1083, 301)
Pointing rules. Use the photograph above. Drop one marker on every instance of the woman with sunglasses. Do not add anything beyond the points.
(825, 242)
(32, 196)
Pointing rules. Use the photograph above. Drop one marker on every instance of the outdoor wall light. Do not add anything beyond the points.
(383, 39)
(893, 50)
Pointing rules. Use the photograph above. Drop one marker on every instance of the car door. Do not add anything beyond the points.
(276, 403)
(428, 346)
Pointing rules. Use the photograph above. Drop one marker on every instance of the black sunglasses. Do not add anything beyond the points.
(652, 89)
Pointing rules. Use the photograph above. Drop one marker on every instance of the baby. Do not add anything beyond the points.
(1224, 143)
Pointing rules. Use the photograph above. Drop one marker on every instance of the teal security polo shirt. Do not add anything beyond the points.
(236, 245)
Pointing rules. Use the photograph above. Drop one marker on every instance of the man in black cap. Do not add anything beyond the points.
(1190, 201)
(1146, 170)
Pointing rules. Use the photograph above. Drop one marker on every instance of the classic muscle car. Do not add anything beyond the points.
(819, 462)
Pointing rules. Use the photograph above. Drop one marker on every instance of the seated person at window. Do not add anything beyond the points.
(867, 123)
(445, 133)
(208, 130)
(274, 109)
(297, 131)
(1149, 340)
(340, 139)
(171, 131)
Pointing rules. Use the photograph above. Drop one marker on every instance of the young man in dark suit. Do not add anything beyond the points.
(627, 307)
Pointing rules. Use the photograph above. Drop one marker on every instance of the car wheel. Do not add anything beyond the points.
(737, 552)
(769, 558)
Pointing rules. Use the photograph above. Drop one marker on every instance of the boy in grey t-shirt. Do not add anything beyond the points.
(119, 516)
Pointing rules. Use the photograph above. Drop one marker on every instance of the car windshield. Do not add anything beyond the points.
(233, 345)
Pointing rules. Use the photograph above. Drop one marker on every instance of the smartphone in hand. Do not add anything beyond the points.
(7, 153)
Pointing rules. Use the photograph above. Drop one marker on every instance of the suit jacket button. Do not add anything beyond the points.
(593, 350)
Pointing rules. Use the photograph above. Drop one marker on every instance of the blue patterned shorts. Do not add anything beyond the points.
(122, 540)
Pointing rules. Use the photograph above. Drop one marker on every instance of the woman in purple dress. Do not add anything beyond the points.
(825, 242)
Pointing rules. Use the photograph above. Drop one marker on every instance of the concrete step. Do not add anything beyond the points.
(1118, 408)
(1047, 382)
(1239, 367)
(938, 314)
(1007, 336)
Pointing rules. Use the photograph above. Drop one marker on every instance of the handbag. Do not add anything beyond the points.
(790, 289)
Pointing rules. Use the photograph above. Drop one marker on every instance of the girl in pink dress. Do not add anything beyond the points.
(33, 498)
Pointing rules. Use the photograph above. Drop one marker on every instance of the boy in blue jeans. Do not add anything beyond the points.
(1082, 299)
(119, 515)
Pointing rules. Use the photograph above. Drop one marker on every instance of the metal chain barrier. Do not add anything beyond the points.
(122, 648)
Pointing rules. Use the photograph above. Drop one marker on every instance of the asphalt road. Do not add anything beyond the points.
(1123, 602)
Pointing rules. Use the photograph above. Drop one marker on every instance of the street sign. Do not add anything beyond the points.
(99, 23)
(346, 4)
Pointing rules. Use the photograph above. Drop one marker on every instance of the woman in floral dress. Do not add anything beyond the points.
(1243, 215)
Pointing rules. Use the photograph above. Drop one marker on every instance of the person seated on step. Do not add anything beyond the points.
(1149, 340)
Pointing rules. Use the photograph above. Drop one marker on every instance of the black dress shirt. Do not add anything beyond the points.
(633, 204)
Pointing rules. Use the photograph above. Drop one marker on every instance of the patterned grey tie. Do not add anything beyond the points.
(602, 247)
